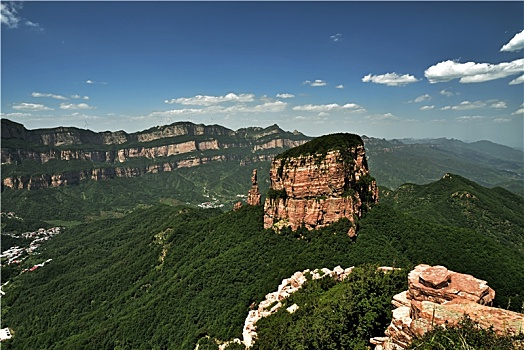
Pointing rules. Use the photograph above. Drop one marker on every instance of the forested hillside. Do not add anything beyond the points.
(167, 276)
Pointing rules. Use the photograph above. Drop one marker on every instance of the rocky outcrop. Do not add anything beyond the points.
(253, 196)
(272, 301)
(319, 183)
(437, 296)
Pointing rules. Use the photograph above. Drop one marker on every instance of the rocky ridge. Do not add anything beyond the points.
(437, 296)
(105, 155)
(319, 183)
(273, 301)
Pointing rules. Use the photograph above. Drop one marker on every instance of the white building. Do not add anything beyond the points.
(5, 334)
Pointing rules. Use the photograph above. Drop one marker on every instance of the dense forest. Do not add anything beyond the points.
(169, 276)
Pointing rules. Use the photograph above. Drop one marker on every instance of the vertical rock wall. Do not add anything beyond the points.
(316, 189)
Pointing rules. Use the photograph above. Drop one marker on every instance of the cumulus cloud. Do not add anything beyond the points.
(446, 93)
(464, 105)
(340, 86)
(501, 120)
(203, 100)
(499, 105)
(35, 107)
(56, 97)
(468, 118)
(15, 115)
(76, 106)
(89, 81)
(9, 15)
(34, 25)
(427, 108)
(518, 80)
(350, 107)
(267, 107)
(390, 79)
(515, 44)
(382, 117)
(422, 98)
(519, 111)
(285, 95)
(336, 37)
(272, 107)
(76, 97)
(317, 82)
(471, 72)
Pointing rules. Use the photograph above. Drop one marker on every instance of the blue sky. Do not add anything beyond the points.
(381, 69)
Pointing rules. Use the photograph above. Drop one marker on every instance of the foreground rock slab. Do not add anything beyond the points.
(437, 296)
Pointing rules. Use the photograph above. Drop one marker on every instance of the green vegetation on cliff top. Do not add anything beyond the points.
(323, 144)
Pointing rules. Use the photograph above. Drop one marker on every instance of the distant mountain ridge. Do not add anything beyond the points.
(40, 158)
(43, 158)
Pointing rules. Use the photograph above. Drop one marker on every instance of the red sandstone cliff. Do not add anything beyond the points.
(314, 188)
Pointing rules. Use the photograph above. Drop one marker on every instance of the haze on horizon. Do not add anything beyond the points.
(381, 69)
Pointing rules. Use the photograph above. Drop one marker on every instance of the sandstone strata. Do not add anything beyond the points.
(315, 189)
(168, 147)
(437, 296)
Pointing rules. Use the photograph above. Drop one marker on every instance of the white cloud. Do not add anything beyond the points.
(277, 106)
(35, 107)
(340, 86)
(471, 72)
(515, 44)
(202, 100)
(34, 25)
(76, 106)
(267, 107)
(422, 98)
(468, 118)
(79, 97)
(518, 80)
(351, 107)
(446, 93)
(9, 15)
(317, 82)
(56, 97)
(464, 105)
(89, 81)
(519, 111)
(501, 120)
(285, 95)
(499, 105)
(15, 115)
(426, 108)
(382, 117)
(336, 37)
(390, 79)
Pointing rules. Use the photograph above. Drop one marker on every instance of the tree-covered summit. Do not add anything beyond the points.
(324, 144)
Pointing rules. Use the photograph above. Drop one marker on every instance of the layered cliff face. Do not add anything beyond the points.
(78, 154)
(319, 183)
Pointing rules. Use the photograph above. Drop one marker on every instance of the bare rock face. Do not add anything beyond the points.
(319, 183)
(437, 296)
(253, 196)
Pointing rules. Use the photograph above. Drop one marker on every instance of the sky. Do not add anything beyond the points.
(381, 69)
